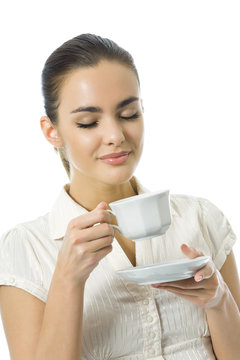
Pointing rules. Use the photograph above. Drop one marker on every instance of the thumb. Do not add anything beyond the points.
(102, 205)
(190, 252)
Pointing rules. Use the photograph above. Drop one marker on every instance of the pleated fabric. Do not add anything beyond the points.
(123, 320)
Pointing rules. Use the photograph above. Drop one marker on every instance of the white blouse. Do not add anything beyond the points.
(123, 320)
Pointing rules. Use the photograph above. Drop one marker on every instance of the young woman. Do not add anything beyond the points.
(65, 300)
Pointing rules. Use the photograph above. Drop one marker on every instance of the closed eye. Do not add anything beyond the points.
(130, 117)
(134, 116)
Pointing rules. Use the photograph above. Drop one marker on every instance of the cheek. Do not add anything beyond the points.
(137, 133)
(84, 144)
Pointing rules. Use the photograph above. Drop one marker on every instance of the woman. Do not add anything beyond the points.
(66, 300)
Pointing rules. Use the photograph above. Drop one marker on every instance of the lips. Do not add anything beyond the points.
(114, 155)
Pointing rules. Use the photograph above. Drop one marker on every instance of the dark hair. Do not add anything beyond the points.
(85, 50)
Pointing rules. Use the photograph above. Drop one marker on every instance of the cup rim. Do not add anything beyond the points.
(140, 196)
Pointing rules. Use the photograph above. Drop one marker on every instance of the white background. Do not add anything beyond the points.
(187, 55)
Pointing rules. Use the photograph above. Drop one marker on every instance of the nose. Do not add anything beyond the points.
(113, 131)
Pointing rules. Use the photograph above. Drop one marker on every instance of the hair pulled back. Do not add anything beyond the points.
(85, 50)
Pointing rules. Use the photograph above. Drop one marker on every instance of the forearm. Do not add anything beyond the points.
(61, 332)
(224, 326)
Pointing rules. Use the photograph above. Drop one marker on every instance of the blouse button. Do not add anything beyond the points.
(151, 351)
(152, 335)
(149, 318)
(227, 247)
(145, 302)
(11, 280)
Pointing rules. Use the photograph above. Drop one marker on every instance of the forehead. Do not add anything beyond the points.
(104, 84)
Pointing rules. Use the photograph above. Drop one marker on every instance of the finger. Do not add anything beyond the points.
(101, 205)
(89, 219)
(196, 292)
(205, 272)
(182, 295)
(193, 299)
(182, 284)
(98, 244)
(102, 252)
(92, 233)
(190, 252)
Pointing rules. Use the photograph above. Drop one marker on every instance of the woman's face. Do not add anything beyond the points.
(104, 86)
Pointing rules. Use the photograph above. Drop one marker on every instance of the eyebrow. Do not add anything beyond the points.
(94, 109)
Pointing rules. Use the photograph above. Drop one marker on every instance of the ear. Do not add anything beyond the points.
(142, 105)
(50, 132)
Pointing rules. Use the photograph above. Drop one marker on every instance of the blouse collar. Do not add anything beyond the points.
(65, 209)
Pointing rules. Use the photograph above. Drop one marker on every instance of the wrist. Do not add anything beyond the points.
(68, 283)
(219, 302)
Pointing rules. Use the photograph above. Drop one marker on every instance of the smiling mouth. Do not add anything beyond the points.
(114, 155)
(117, 159)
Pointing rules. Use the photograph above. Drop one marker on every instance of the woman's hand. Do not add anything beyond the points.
(85, 244)
(206, 289)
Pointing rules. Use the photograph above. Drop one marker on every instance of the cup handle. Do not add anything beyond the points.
(114, 226)
(111, 212)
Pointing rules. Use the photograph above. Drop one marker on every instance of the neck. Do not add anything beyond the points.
(89, 193)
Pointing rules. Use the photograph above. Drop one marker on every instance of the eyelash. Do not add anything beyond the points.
(95, 123)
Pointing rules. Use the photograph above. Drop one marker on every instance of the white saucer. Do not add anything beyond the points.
(164, 272)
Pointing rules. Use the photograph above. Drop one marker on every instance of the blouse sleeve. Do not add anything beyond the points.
(19, 264)
(218, 232)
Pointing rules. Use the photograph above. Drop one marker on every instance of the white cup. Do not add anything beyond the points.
(142, 216)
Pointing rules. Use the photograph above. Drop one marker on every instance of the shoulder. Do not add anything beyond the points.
(208, 214)
(30, 227)
(25, 236)
(213, 223)
(185, 205)
(36, 228)
(23, 258)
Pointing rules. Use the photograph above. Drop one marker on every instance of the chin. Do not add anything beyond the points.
(117, 177)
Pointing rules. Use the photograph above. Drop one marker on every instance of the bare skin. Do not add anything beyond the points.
(92, 180)
(84, 245)
(218, 293)
(104, 86)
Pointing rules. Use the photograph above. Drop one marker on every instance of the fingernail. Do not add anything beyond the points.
(199, 278)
